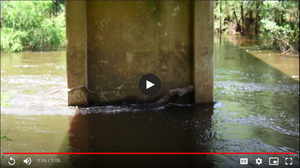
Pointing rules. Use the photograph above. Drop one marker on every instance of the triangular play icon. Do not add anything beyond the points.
(149, 84)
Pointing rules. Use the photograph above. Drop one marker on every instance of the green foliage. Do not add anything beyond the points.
(276, 21)
(6, 97)
(279, 24)
(12, 40)
(5, 137)
(32, 24)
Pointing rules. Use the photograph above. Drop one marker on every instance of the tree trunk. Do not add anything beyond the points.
(220, 31)
(256, 17)
(179, 91)
(237, 24)
(242, 18)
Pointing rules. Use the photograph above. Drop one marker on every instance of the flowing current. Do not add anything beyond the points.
(256, 110)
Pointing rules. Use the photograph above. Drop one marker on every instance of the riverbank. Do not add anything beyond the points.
(286, 63)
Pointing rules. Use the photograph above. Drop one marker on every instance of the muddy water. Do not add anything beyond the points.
(256, 110)
(288, 63)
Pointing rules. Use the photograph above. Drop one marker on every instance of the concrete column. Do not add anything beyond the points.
(203, 51)
(111, 44)
(76, 24)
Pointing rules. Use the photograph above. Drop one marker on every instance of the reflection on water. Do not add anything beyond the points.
(257, 106)
(169, 130)
(256, 110)
(286, 63)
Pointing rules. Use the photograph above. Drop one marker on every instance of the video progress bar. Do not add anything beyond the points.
(149, 153)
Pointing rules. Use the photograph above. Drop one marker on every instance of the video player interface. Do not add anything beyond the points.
(152, 83)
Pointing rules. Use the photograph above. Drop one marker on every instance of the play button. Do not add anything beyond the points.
(149, 84)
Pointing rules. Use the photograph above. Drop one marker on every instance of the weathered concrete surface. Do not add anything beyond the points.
(76, 50)
(78, 97)
(127, 39)
(203, 52)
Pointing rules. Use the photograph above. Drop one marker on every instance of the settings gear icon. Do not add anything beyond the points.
(258, 161)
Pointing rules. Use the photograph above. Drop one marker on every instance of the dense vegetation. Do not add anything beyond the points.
(34, 25)
(275, 21)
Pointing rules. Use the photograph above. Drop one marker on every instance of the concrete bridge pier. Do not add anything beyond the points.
(111, 44)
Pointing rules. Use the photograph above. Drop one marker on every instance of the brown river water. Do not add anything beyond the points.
(256, 110)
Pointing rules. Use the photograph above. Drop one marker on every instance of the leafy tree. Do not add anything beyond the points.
(280, 21)
(276, 21)
(32, 25)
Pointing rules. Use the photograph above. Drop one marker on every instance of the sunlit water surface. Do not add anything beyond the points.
(256, 110)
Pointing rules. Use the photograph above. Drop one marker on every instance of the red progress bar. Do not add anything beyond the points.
(149, 153)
